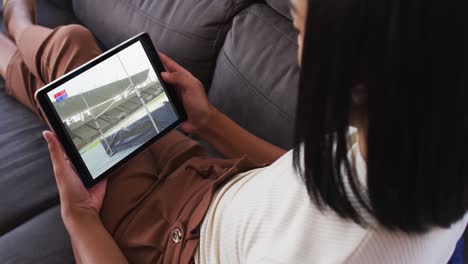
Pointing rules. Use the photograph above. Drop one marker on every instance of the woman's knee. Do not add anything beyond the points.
(71, 46)
(74, 34)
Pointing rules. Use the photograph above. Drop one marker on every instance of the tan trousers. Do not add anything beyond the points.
(156, 202)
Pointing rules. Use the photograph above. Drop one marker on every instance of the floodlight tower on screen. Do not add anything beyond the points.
(137, 91)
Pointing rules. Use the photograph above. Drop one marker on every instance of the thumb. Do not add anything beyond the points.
(59, 162)
(178, 79)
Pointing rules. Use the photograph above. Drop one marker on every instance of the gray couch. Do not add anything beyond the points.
(244, 51)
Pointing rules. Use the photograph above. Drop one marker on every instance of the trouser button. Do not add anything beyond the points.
(176, 235)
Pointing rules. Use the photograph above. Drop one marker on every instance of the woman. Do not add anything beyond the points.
(397, 195)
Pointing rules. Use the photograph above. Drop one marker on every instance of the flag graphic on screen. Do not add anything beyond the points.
(60, 96)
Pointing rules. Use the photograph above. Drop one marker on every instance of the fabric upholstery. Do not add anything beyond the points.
(55, 13)
(25, 167)
(255, 82)
(190, 31)
(39, 240)
(281, 6)
(31, 229)
(256, 77)
(62, 6)
(28, 191)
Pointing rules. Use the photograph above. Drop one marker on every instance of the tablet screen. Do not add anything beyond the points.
(113, 108)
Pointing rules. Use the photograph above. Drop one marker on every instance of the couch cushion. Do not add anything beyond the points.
(190, 31)
(39, 240)
(255, 82)
(27, 184)
(281, 6)
(53, 13)
(63, 5)
(31, 230)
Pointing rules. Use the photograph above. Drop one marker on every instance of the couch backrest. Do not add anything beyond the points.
(256, 77)
(65, 5)
(243, 51)
(190, 31)
(281, 6)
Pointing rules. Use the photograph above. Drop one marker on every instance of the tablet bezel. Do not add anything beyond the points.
(59, 128)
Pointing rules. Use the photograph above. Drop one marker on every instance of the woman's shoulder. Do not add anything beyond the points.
(275, 203)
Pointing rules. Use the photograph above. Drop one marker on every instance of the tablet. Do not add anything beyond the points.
(112, 108)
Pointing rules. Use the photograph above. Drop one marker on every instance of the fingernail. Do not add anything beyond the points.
(46, 135)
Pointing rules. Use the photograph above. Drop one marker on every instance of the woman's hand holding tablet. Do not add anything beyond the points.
(191, 92)
(113, 107)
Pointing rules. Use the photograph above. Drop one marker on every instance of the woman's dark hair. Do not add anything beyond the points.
(415, 57)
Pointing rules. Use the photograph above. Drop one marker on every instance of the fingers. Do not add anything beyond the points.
(56, 154)
(170, 64)
(100, 188)
(178, 79)
(59, 162)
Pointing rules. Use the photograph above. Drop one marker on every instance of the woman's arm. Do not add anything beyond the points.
(211, 125)
(91, 242)
(80, 211)
(75, 251)
(233, 141)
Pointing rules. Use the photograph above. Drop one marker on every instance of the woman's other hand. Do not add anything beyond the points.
(193, 96)
(76, 201)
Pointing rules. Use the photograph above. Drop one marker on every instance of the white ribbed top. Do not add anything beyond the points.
(266, 216)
